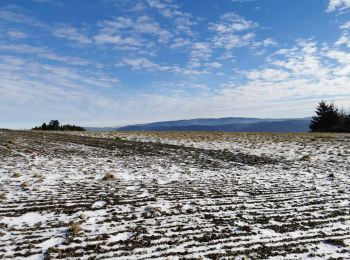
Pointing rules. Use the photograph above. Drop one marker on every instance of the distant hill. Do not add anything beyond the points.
(229, 124)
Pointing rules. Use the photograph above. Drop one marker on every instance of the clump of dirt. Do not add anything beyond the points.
(335, 242)
(109, 177)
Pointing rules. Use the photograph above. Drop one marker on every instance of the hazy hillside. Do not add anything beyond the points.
(203, 121)
(230, 124)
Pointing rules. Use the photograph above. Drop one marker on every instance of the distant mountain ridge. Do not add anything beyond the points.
(227, 124)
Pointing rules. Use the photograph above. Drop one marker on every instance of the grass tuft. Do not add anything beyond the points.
(25, 185)
(74, 228)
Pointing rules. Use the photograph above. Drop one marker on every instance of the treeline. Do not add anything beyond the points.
(54, 125)
(329, 118)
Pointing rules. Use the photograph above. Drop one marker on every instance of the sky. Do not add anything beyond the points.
(116, 62)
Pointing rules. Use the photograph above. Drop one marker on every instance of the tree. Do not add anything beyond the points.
(54, 125)
(326, 119)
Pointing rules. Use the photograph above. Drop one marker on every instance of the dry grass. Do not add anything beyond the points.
(16, 175)
(305, 158)
(25, 185)
(221, 136)
(39, 177)
(74, 228)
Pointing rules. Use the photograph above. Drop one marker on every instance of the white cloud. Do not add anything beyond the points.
(179, 43)
(15, 14)
(265, 43)
(345, 26)
(301, 76)
(340, 5)
(341, 57)
(145, 25)
(125, 43)
(43, 53)
(301, 73)
(127, 33)
(268, 74)
(303, 61)
(165, 8)
(182, 21)
(184, 24)
(111, 26)
(201, 50)
(231, 41)
(234, 31)
(231, 23)
(49, 91)
(106, 38)
(144, 64)
(138, 64)
(213, 64)
(344, 40)
(15, 34)
(25, 70)
(71, 33)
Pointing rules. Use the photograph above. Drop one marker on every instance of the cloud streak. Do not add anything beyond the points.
(340, 5)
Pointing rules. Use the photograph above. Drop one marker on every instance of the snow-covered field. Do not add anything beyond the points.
(174, 195)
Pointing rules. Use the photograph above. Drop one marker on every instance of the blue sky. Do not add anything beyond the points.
(116, 62)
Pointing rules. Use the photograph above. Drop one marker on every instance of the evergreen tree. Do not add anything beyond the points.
(326, 119)
(344, 122)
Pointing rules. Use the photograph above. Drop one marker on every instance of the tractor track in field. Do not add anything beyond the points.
(80, 196)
